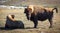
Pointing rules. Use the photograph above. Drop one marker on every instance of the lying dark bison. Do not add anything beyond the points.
(35, 13)
(11, 23)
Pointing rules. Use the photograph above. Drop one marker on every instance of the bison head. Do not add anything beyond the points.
(27, 11)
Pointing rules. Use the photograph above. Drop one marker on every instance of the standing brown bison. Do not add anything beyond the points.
(35, 13)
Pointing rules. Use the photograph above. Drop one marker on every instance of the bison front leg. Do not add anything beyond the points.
(35, 21)
(35, 24)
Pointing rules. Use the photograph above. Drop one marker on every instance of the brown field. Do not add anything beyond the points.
(43, 27)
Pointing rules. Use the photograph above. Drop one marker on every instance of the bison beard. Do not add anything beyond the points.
(40, 16)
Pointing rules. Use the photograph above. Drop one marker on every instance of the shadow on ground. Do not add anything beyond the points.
(3, 28)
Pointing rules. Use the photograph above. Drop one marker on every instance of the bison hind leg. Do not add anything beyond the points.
(51, 22)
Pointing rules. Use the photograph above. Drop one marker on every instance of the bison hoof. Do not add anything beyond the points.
(35, 27)
(50, 27)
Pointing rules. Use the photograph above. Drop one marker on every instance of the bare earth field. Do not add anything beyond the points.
(43, 27)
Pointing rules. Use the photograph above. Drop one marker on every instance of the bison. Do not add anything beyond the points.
(11, 23)
(35, 13)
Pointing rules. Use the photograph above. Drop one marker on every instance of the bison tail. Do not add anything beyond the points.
(56, 9)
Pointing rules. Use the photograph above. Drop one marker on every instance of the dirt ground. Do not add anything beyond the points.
(43, 27)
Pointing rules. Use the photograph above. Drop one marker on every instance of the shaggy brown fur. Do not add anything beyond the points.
(36, 12)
